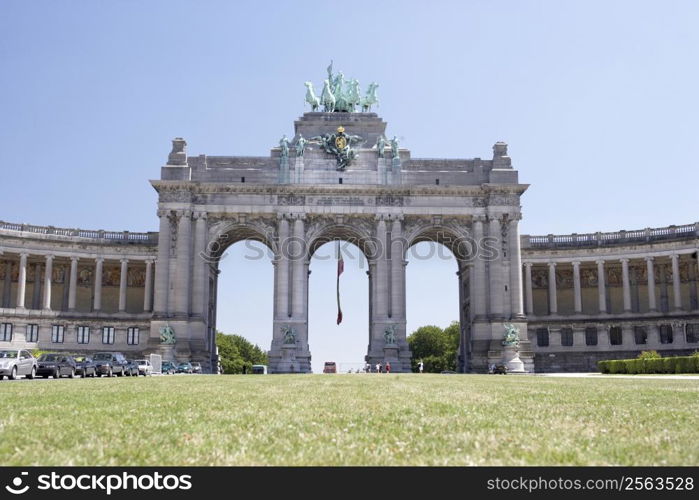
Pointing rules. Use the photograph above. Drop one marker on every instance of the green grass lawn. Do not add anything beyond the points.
(350, 420)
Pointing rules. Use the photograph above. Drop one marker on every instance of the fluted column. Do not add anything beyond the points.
(22, 280)
(497, 287)
(676, 287)
(530, 288)
(652, 306)
(577, 292)
(478, 287)
(36, 293)
(397, 271)
(99, 264)
(281, 270)
(601, 287)
(148, 292)
(553, 297)
(48, 280)
(184, 262)
(162, 265)
(299, 272)
(123, 284)
(201, 266)
(73, 287)
(381, 279)
(516, 300)
(626, 283)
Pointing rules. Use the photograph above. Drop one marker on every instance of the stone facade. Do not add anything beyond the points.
(574, 299)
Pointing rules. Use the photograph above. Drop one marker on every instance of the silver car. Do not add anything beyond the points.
(16, 362)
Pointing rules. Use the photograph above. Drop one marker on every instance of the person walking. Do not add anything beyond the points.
(420, 366)
(378, 367)
(388, 367)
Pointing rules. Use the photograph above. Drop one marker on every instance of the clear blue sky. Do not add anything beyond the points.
(598, 101)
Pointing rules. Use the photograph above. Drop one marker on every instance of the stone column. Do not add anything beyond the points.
(7, 286)
(676, 287)
(36, 292)
(553, 298)
(515, 270)
(497, 286)
(652, 306)
(478, 286)
(577, 292)
(184, 249)
(626, 284)
(601, 287)
(99, 264)
(281, 270)
(73, 287)
(397, 271)
(530, 288)
(298, 268)
(200, 265)
(48, 280)
(22, 280)
(148, 292)
(123, 284)
(162, 265)
(381, 278)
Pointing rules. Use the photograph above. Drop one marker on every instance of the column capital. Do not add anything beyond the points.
(576, 263)
(624, 260)
(649, 259)
(674, 256)
(162, 212)
(124, 260)
(24, 255)
(552, 264)
(150, 262)
(528, 264)
(600, 262)
(74, 259)
(200, 215)
(479, 218)
(49, 257)
(99, 259)
(299, 216)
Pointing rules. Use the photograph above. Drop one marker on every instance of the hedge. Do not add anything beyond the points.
(675, 364)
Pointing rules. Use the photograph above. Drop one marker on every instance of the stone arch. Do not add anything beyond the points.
(223, 234)
(322, 233)
(457, 238)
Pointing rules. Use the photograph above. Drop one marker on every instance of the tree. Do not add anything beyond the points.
(237, 355)
(435, 347)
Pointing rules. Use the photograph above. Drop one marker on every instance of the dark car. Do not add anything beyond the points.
(168, 368)
(84, 366)
(56, 365)
(110, 364)
(185, 368)
(131, 368)
(16, 362)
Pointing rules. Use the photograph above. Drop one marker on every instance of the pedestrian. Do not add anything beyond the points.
(388, 367)
(420, 366)
(378, 367)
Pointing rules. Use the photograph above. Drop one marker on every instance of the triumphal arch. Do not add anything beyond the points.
(340, 177)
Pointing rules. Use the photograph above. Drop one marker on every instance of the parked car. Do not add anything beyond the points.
(259, 369)
(330, 367)
(168, 368)
(144, 367)
(56, 365)
(184, 367)
(196, 367)
(84, 366)
(131, 369)
(110, 364)
(16, 362)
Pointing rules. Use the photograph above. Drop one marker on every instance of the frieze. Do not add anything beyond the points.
(339, 200)
(389, 200)
(176, 196)
(291, 199)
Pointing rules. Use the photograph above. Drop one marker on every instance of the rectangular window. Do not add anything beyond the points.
(108, 335)
(591, 335)
(132, 336)
(640, 334)
(32, 333)
(692, 333)
(666, 334)
(57, 334)
(83, 335)
(615, 337)
(542, 337)
(5, 332)
(566, 337)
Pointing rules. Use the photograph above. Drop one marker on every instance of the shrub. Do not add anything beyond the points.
(674, 364)
(649, 355)
(603, 366)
